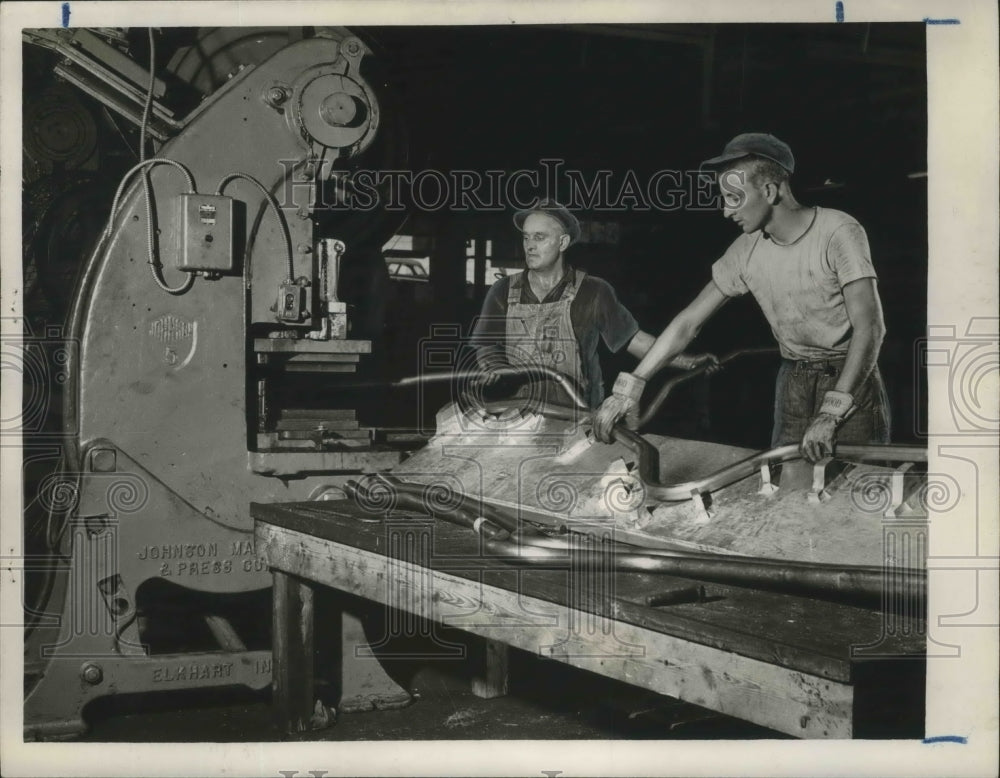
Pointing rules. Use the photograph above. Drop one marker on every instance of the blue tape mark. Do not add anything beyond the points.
(65, 14)
(946, 739)
(840, 11)
(928, 20)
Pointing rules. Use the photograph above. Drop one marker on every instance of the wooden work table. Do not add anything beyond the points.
(801, 666)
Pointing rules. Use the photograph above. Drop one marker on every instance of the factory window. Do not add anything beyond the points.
(480, 248)
(406, 258)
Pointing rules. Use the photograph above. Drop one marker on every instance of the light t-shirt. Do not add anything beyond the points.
(799, 286)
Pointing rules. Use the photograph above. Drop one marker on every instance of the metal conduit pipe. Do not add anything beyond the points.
(407, 500)
(854, 584)
(574, 391)
(528, 534)
(536, 372)
(573, 540)
(416, 497)
(864, 584)
(453, 501)
(648, 456)
(464, 511)
(648, 460)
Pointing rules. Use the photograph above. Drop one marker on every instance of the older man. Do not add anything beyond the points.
(553, 314)
(810, 271)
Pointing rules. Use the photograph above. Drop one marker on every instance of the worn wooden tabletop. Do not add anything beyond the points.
(800, 633)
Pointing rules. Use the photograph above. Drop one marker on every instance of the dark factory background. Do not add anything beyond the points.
(849, 99)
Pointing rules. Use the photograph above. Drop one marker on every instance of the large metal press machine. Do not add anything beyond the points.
(209, 294)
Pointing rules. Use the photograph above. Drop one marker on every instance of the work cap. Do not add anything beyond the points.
(557, 212)
(760, 144)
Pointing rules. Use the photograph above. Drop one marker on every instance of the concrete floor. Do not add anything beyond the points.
(547, 700)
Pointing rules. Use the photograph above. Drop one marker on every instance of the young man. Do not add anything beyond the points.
(810, 271)
(552, 314)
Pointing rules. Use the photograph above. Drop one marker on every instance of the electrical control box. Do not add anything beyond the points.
(212, 232)
(292, 303)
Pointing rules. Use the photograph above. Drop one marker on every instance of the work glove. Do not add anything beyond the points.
(623, 402)
(821, 435)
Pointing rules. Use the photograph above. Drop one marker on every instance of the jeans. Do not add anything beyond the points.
(799, 394)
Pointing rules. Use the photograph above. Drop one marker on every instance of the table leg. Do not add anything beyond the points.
(491, 681)
(292, 647)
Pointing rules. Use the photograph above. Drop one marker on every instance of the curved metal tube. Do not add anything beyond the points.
(852, 583)
(856, 584)
(514, 542)
(537, 372)
(572, 540)
(413, 496)
(648, 458)
(661, 397)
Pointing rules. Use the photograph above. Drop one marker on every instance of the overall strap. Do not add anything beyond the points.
(571, 290)
(514, 289)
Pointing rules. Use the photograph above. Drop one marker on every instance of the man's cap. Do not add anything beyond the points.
(760, 144)
(556, 211)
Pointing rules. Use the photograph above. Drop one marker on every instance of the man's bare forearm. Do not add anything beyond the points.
(642, 342)
(670, 344)
(862, 355)
(865, 313)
